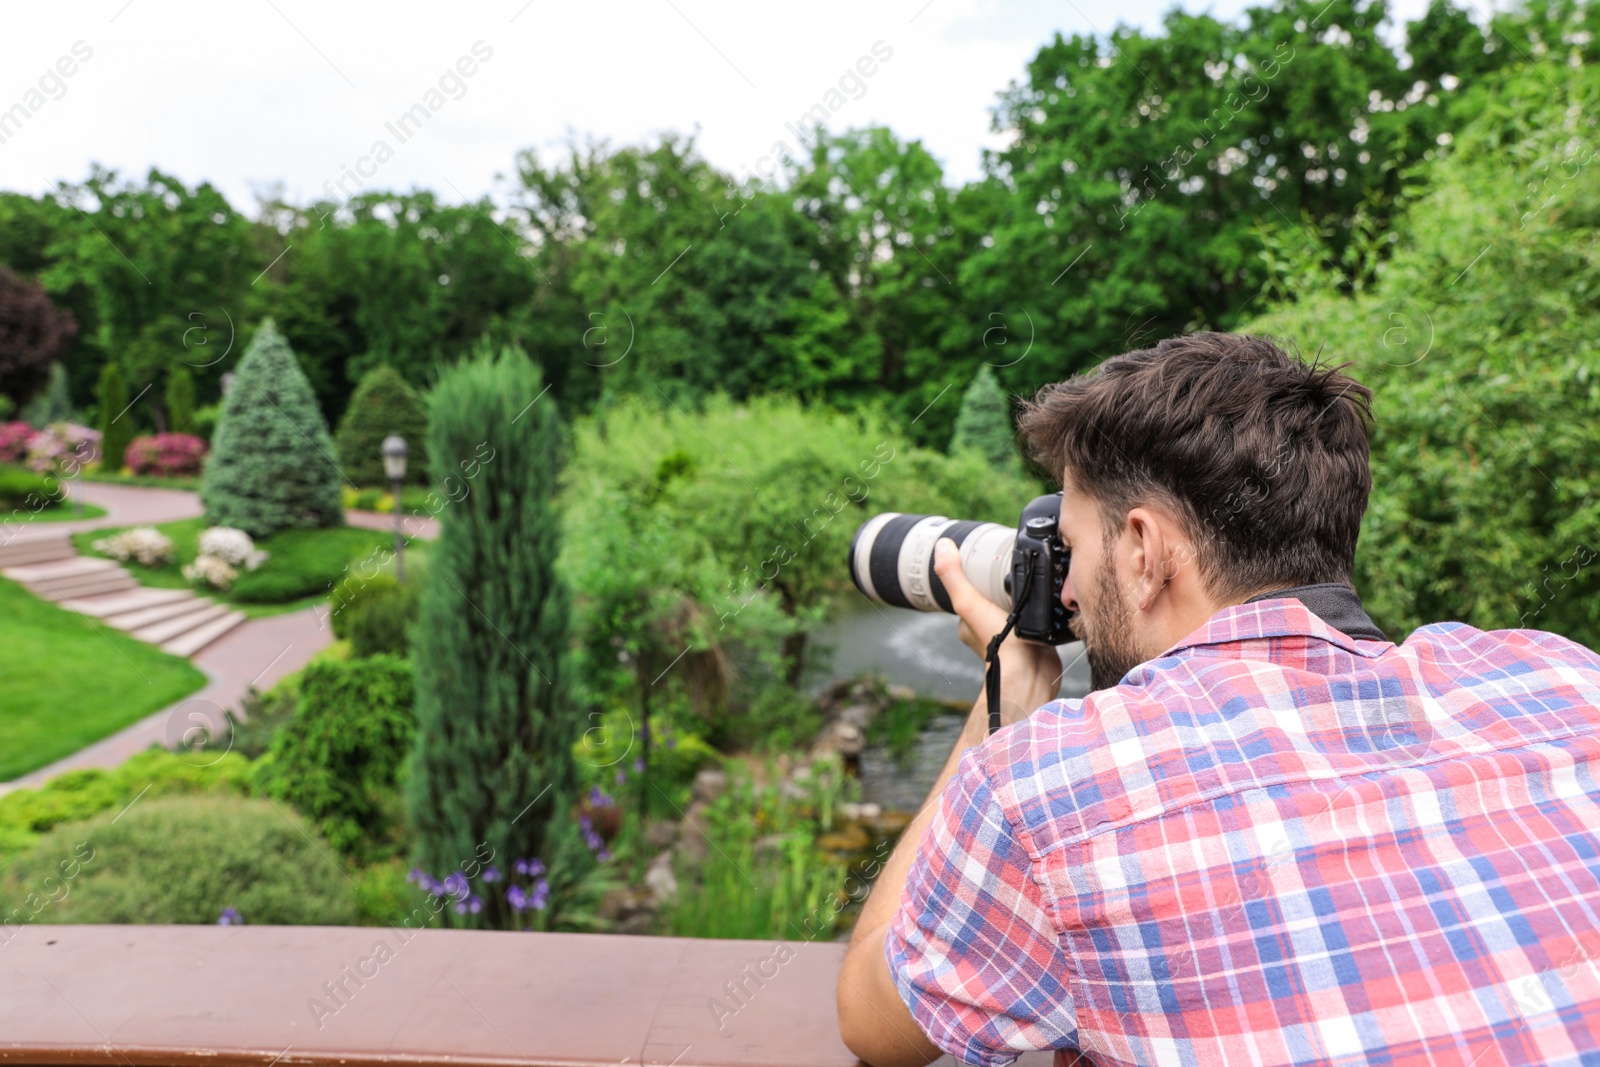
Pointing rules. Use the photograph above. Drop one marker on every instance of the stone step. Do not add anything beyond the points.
(171, 609)
(72, 589)
(60, 568)
(18, 552)
(103, 607)
(201, 636)
(167, 629)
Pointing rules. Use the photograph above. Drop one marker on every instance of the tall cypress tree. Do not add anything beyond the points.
(273, 465)
(984, 424)
(116, 426)
(493, 765)
(180, 401)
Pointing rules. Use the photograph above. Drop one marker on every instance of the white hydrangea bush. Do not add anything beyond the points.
(143, 544)
(231, 546)
(211, 570)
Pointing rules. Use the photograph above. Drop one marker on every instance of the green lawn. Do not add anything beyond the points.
(69, 680)
(298, 572)
(55, 513)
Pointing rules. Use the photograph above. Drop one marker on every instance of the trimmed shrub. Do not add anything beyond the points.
(205, 421)
(338, 760)
(376, 615)
(984, 424)
(180, 860)
(493, 765)
(180, 401)
(273, 465)
(14, 441)
(20, 487)
(383, 404)
(165, 454)
(116, 425)
(303, 563)
(54, 403)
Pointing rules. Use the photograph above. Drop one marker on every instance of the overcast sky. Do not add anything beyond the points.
(250, 93)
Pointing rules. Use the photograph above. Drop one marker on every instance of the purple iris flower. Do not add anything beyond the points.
(517, 898)
(491, 874)
(230, 917)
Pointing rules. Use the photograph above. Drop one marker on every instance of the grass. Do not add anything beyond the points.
(898, 726)
(153, 481)
(298, 572)
(54, 513)
(70, 681)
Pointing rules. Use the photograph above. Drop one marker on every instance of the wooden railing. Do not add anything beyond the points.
(252, 996)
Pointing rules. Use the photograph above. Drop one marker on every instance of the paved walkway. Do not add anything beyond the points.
(412, 526)
(255, 653)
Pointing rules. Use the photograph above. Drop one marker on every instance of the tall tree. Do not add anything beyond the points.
(273, 465)
(33, 334)
(493, 772)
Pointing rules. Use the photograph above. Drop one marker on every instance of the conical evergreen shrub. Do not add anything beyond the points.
(493, 774)
(984, 424)
(272, 464)
(180, 401)
(116, 424)
(384, 403)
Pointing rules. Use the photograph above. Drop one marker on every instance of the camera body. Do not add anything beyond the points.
(891, 562)
(1040, 552)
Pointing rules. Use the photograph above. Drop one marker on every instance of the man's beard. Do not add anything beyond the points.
(1107, 634)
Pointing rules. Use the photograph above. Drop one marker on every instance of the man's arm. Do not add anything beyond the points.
(874, 1022)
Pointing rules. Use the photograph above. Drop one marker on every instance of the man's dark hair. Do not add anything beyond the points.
(1261, 455)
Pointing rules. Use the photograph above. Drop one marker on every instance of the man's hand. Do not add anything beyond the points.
(1025, 666)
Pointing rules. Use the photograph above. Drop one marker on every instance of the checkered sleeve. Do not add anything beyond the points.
(972, 949)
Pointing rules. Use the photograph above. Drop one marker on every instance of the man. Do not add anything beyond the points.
(1276, 838)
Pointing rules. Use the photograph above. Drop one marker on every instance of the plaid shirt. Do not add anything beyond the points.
(1275, 844)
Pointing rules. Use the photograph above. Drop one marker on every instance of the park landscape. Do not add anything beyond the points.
(569, 670)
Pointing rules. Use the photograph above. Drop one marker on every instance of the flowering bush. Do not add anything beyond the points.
(231, 546)
(14, 441)
(526, 890)
(165, 453)
(64, 447)
(146, 544)
(212, 571)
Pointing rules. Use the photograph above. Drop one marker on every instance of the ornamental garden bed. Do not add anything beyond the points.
(301, 565)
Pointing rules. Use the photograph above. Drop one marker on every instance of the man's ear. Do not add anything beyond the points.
(1151, 559)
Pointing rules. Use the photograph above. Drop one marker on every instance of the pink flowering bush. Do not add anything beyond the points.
(63, 447)
(14, 441)
(165, 454)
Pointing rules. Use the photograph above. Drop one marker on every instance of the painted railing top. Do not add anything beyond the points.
(252, 996)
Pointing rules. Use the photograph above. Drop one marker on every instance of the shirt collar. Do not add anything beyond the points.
(1278, 617)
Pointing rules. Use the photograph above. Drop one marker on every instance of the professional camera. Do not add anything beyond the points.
(891, 562)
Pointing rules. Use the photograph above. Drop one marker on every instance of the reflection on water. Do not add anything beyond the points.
(922, 650)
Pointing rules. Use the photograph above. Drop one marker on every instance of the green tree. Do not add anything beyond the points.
(493, 772)
(272, 465)
(1478, 343)
(383, 404)
(116, 424)
(180, 400)
(984, 425)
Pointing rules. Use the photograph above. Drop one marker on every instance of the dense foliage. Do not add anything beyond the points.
(383, 404)
(181, 860)
(1479, 338)
(273, 465)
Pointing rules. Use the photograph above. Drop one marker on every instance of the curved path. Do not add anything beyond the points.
(256, 653)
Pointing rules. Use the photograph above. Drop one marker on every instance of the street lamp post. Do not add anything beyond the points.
(394, 465)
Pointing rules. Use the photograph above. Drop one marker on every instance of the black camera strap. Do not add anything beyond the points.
(991, 676)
